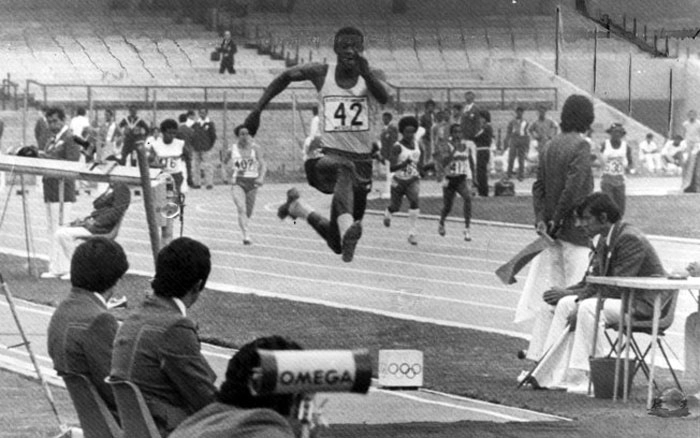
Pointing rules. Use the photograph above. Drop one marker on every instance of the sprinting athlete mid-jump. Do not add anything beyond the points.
(347, 92)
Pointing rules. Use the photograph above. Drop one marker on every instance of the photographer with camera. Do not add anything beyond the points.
(238, 411)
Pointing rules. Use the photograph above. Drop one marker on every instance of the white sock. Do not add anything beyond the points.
(413, 220)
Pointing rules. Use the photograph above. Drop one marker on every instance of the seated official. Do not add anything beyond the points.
(157, 347)
(622, 251)
(109, 207)
(82, 330)
(237, 412)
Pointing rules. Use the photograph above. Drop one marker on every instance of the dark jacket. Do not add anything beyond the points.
(63, 148)
(109, 207)
(204, 136)
(630, 255)
(470, 122)
(227, 48)
(80, 337)
(159, 351)
(564, 179)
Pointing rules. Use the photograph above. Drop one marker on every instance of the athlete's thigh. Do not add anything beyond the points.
(250, 196)
(239, 196)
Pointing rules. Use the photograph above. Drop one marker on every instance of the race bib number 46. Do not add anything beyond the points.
(346, 113)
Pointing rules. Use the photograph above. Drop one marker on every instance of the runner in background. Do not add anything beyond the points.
(405, 164)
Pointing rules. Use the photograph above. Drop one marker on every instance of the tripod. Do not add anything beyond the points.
(25, 342)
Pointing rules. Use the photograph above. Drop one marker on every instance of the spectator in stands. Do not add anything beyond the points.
(674, 153)
(42, 133)
(650, 154)
(347, 90)
(167, 151)
(82, 132)
(61, 146)
(483, 141)
(109, 209)
(616, 159)
(440, 135)
(185, 133)
(237, 411)
(80, 124)
(543, 129)
(564, 179)
(82, 330)
(691, 170)
(203, 140)
(456, 115)
(157, 347)
(517, 142)
(227, 48)
(134, 131)
(426, 121)
(470, 116)
(108, 137)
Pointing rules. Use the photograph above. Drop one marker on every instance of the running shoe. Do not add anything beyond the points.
(283, 210)
(387, 218)
(441, 229)
(467, 235)
(412, 239)
(247, 242)
(350, 239)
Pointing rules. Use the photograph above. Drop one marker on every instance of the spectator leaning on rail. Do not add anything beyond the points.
(239, 412)
(82, 330)
(157, 347)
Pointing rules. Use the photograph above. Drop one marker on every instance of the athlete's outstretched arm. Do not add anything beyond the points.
(313, 72)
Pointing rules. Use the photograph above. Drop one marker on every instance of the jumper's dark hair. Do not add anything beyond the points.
(182, 118)
(577, 114)
(598, 203)
(168, 124)
(236, 389)
(179, 266)
(407, 121)
(238, 128)
(80, 111)
(97, 264)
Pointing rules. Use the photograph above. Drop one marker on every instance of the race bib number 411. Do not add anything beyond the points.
(346, 113)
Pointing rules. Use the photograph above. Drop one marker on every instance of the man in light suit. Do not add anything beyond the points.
(158, 349)
(564, 179)
(110, 208)
(622, 251)
(82, 330)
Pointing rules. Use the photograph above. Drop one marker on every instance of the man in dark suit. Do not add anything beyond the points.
(185, 133)
(470, 117)
(203, 140)
(564, 179)
(82, 330)
(158, 349)
(227, 49)
(60, 146)
(109, 209)
(134, 130)
(42, 133)
(239, 412)
(622, 251)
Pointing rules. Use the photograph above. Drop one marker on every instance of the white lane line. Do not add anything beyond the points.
(452, 406)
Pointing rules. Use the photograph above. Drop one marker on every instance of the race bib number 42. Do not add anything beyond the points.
(346, 113)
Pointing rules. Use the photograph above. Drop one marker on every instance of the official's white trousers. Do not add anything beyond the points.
(63, 244)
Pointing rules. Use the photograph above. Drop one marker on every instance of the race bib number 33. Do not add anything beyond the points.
(346, 113)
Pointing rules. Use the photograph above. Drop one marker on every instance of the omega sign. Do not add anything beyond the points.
(285, 372)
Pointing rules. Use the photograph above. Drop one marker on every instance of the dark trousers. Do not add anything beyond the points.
(457, 185)
(349, 180)
(518, 148)
(227, 65)
(483, 156)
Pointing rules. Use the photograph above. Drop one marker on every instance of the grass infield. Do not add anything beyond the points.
(458, 361)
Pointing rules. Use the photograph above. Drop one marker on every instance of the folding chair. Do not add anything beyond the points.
(134, 413)
(645, 326)
(95, 417)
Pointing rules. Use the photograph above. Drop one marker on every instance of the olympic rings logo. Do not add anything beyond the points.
(404, 369)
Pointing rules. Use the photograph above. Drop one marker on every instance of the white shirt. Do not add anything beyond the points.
(169, 155)
(78, 124)
(180, 305)
(670, 149)
(691, 131)
(101, 298)
(648, 147)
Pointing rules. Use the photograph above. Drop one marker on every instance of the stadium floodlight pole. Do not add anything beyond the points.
(557, 31)
(670, 101)
(27, 345)
(595, 58)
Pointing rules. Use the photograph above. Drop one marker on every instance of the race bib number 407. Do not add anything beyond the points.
(346, 113)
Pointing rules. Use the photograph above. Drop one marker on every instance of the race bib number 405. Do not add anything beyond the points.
(346, 113)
